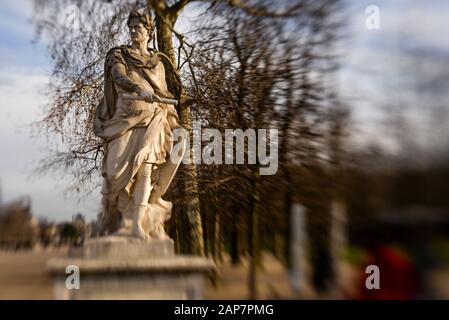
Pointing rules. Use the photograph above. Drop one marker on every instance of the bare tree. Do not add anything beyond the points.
(253, 72)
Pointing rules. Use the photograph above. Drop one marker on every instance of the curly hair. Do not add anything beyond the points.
(144, 17)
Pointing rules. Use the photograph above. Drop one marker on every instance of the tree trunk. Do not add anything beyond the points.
(217, 246)
(254, 237)
(288, 203)
(234, 245)
(165, 20)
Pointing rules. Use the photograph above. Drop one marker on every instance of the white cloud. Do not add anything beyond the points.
(381, 67)
(15, 17)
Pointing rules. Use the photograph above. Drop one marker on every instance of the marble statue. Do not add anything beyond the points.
(135, 119)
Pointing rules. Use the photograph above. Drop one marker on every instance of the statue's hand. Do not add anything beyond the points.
(149, 97)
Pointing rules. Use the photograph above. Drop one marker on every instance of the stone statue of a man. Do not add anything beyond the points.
(137, 136)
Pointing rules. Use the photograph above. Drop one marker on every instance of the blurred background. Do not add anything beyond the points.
(357, 90)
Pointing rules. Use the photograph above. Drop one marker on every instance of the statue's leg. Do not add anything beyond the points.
(110, 219)
(141, 194)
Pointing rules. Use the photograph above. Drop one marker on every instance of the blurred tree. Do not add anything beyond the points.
(254, 72)
(17, 228)
(69, 234)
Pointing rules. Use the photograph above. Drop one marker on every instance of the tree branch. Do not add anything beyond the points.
(178, 6)
(263, 11)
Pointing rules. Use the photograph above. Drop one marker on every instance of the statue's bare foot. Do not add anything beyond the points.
(137, 228)
(139, 233)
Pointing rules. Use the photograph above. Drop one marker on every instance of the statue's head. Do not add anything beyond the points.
(140, 26)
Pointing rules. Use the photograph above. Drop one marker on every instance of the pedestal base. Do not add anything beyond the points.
(120, 268)
(122, 247)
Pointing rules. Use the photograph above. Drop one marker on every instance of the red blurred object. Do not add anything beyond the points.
(398, 276)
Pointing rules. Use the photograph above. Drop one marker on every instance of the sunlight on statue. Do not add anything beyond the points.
(136, 119)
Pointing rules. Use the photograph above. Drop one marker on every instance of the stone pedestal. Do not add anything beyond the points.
(124, 268)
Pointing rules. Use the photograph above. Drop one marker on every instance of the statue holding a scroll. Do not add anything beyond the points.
(135, 119)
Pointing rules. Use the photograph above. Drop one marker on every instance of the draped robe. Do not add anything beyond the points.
(134, 132)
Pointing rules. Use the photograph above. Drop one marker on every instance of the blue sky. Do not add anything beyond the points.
(24, 70)
(379, 68)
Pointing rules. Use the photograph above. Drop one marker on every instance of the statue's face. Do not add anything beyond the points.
(137, 31)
